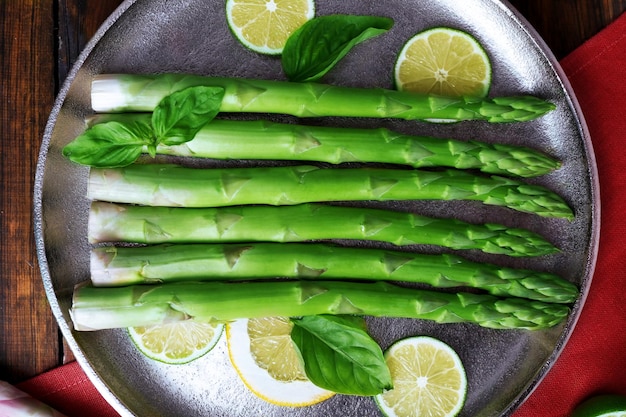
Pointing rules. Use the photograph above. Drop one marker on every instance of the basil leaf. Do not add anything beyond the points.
(339, 355)
(179, 116)
(110, 144)
(317, 46)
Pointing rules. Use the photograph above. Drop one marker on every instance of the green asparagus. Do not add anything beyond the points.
(96, 308)
(109, 222)
(116, 266)
(172, 185)
(264, 140)
(129, 92)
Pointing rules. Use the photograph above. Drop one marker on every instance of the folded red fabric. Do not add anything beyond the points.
(594, 360)
(68, 389)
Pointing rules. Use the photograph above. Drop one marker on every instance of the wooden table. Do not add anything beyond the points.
(39, 42)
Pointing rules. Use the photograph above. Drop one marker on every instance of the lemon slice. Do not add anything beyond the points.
(265, 25)
(266, 360)
(605, 405)
(443, 61)
(178, 342)
(428, 379)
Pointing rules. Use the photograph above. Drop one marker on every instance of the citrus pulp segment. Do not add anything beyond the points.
(443, 61)
(266, 360)
(428, 379)
(265, 25)
(176, 342)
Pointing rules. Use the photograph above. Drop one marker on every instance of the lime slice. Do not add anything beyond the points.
(268, 363)
(608, 405)
(265, 25)
(428, 379)
(178, 342)
(443, 61)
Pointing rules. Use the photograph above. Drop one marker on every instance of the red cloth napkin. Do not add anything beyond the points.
(594, 360)
(68, 390)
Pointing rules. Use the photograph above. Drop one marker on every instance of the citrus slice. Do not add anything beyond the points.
(266, 360)
(443, 61)
(428, 379)
(607, 405)
(265, 25)
(178, 342)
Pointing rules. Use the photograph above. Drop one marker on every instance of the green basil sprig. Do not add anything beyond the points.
(110, 145)
(317, 46)
(339, 355)
(176, 119)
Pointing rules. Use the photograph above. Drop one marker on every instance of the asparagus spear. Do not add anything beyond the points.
(172, 185)
(110, 222)
(264, 140)
(96, 308)
(116, 266)
(129, 92)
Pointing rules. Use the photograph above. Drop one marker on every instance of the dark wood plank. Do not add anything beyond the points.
(29, 338)
(566, 24)
(28, 333)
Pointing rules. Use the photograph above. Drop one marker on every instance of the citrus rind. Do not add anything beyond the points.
(293, 393)
(428, 378)
(178, 342)
(443, 61)
(264, 26)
